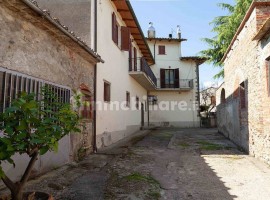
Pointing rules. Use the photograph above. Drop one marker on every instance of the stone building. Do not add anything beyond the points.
(243, 99)
(36, 50)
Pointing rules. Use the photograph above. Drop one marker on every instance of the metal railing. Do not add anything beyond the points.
(183, 84)
(140, 65)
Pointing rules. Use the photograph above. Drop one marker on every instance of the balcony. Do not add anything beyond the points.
(142, 73)
(176, 84)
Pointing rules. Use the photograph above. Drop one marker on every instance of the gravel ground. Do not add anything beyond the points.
(164, 164)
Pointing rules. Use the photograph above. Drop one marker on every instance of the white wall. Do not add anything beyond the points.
(114, 125)
(179, 117)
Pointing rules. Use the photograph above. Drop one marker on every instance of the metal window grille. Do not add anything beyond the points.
(13, 83)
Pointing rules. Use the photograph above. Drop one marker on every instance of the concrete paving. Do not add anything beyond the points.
(162, 164)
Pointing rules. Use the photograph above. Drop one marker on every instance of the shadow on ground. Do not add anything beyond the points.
(168, 164)
(174, 158)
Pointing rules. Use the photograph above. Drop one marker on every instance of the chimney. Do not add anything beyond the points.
(151, 31)
(178, 31)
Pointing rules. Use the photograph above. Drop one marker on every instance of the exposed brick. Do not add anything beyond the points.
(249, 127)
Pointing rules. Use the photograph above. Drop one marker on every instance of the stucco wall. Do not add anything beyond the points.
(77, 15)
(31, 50)
(116, 124)
(247, 63)
(187, 70)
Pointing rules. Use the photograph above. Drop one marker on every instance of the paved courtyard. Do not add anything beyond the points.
(163, 164)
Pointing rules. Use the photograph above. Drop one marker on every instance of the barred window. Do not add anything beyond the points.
(13, 83)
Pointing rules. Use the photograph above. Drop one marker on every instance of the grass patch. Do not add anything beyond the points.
(140, 177)
(183, 144)
(164, 135)
(154, 195)
(209, 146)
(137, 139)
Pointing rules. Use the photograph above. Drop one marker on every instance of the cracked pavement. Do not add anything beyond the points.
(162, 164)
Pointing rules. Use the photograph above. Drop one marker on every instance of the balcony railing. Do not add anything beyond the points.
(184, 84)
(141, 65)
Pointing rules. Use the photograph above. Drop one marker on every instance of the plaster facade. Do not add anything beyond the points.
(112, 122)
(185, 113)
(113, 125)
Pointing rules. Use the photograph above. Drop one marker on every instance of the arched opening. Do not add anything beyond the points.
(222, 97)
(242, 95)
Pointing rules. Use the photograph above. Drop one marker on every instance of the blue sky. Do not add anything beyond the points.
(193, 16)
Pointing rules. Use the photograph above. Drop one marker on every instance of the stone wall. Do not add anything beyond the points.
(76, 14)
(30, 46)
(247, 126)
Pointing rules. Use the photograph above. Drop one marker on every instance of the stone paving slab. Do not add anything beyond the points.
(166, 164)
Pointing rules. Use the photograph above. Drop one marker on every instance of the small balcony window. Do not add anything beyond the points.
(169, 78)
(161, 50)
(137, 103)
(107, 91)
(127, 99)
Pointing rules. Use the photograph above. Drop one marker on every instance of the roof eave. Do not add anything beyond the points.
(263, 31)
(167, 39)
(45, 14)
(250, 10)
(197, 59)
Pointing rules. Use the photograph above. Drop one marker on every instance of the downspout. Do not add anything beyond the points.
(148, 106)
(155, 51)
(95, 84)
(198, 89)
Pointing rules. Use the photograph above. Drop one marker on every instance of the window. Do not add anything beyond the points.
(120, 35)
(107, 91)
(13, 83)
(242, 95)
(86, 110)
(169, 78)
(114, 29)
(213, 100)
(161, 50)
(127, 99)
(137, 103)
(135, 58)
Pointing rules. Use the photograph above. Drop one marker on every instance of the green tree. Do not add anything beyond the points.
(33, 127)
(225, 27)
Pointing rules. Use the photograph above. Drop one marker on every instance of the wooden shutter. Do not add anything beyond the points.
(176, 78)
(125, 38)
(135, 58)
(161, 50)
(162, 78)
(114, 29)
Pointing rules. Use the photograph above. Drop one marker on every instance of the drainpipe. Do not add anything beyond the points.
(155, 50)
(148, 113)
(198, 89)
(95, 84)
